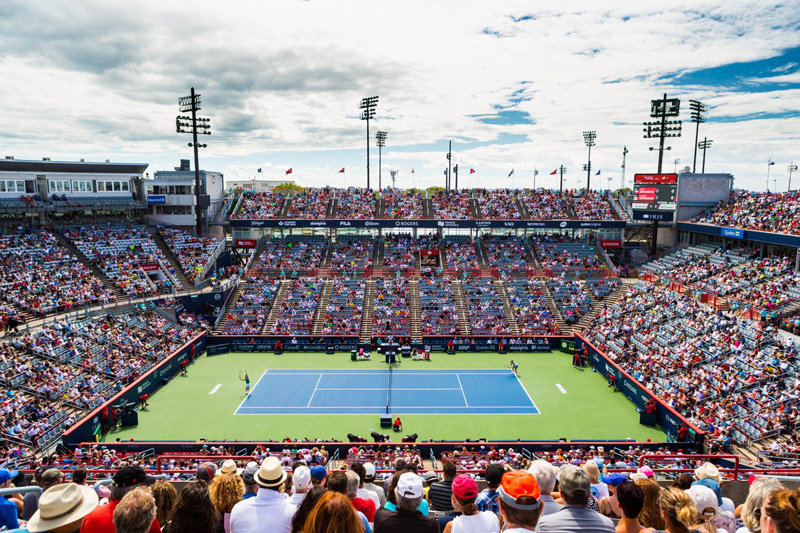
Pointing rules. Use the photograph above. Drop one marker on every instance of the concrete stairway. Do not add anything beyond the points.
(502, 292)
(276, 308)
(119, 293)
(427, 208)
(368, 310)
(463, 317)
(171, 259)
(322, 304)
(483, 259)
(559, 318)
(523, 211)
(229, 306)
(414, 311)
(597, 306)
(333, 205)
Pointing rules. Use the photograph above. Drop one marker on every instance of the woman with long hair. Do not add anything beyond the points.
(226, 491)
(650, 515)
(165, 496)
(678, 511)
(305, 507)
(751, 509)
(333, 513)
(194, 512)
(780, 512)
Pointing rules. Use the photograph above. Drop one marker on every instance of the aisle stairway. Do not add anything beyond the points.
(228, 307)
(322, 305)
(562, 325)
(427, 208)
(413, 308)
(463, 317)
(171, 259)
(369, 309)
(597, 306)
(481, 254)
(502, 292)
(276, 307)
(119, 293)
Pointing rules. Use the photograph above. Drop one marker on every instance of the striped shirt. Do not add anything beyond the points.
(439, 495)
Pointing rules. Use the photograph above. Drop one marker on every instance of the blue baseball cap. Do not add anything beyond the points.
(5, 475)
(319, 473)
(615, 479)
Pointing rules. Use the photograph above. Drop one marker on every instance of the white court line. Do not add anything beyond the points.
(380, 373)
(315, 391)
(251, 390)
(215, 389)
(399, 407)
(384, 388)
(526, 392)
(562, 389)
(462, 390)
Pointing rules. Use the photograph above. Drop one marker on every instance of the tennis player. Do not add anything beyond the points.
(513, 366)
(246, 380)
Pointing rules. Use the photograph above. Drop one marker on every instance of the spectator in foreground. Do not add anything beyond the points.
(546, 475)
(249, 478)
(751, 509)
(333, 513)
(575, 490)
(194, 512)
(226, 491)
(364, 505)
(391, 500)
(440, 494)
(369, 484)
(166, 496)
(305, 507)
(408, 496)
(101, 520)
(631, 501)
(707, 504)
(48, 478)
(301, 481)
(678, 511)
(135, 512)
(651, 513)
(8, 509)
(465, 491)
(488, 498)
(63, 508)
(268, 510)
(520, 504)
(780, 512)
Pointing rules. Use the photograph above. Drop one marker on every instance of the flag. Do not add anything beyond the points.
(412, 170)
(289, 171)
(772, 162)
(341, 171)
(598, 173)
(554, 172)
(472, 171)
(259, 170)
(511, 173)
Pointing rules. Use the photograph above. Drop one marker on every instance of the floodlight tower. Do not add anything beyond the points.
(394, 175)
(380, 137)
(195, 126)
(697, 109)
(704, 145)
(561, 171)
(455, 171)
(624, 157)
(367, 106)
(588, 139)
(792, 168)
(663, 128)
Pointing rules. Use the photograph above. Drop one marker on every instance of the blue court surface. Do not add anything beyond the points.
(283, 392)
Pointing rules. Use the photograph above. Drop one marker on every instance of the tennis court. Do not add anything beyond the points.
(343, 391)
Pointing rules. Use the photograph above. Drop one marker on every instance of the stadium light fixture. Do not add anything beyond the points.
(697, 109)
(792, 168)
(588, 139)
(677, 162)
(367, 106)
(662, 128)
(380, 137)
(196, 126)
(704, 145)
(561, 171)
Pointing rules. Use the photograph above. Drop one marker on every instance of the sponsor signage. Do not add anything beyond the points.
(732, 233)
(610, 243)
(245, 243)
(156, 199)
(653, 216)
(458, 224)
(149, 267)
(655, 192)
(478, 344)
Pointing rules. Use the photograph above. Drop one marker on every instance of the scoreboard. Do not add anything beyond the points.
(655, 192)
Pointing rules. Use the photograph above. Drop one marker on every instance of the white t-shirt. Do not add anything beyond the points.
(483, 522)
(599, 490)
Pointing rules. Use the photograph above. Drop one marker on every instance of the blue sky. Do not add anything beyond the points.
(513, 84)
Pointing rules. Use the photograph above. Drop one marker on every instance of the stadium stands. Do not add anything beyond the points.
(193, 253)
(771, 212)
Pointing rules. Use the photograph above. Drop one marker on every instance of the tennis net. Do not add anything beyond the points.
(389, 389)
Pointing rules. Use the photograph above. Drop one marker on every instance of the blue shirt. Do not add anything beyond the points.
(423, 508)
(8, 514)
(488, 500)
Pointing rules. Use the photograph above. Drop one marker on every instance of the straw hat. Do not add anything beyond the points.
(61, 505)
(270, 475)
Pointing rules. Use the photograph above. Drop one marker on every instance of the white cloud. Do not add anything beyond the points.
(280, 81)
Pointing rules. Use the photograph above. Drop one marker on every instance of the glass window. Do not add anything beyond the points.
(29, 188)
(20, 186)
(2, 186)
(101, 186)
(125, 185)
(117, 186)
(12, 186)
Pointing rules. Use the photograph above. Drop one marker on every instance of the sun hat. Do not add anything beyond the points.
(591, 468)
(301, 478)
(705, 500)
(51, 476)
(708, 470)
(575, 480)
(319, 473)
(410, 486)
(270, 475)
(430, 475)
(464, 487)
(518, 483)
(646, 470)
(62, 505)
(369, 470)
(229, 467)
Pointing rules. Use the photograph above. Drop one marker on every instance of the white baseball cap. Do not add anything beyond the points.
(301, 477)
(409, 486)
(370, 469)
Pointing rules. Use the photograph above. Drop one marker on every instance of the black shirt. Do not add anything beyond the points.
(403, 522)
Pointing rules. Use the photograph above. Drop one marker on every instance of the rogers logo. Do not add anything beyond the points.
(563, 224)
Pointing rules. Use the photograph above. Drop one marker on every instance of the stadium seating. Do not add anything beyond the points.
(193, 253)
(356, 204)
(309, 204)
(771, 212)
(260, 206)
(438, 308)
(399, 204)
(390, 315)
(343, 312)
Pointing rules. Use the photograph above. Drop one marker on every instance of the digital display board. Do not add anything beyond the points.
(655, 192)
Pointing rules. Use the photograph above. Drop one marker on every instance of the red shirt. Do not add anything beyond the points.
(364, 505)
(101, 520)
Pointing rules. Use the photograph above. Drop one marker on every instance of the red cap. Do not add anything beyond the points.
(464, 487)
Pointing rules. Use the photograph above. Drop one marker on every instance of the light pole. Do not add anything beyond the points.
(663, 128)
(704, 145)
(624, 156)
(561, 171)
(455, 171)
(588, 139)
(677, 161)
(394, 175)
(449, 164)
(535, 173)
(697, 109)
(381, 138)
(367, 106)
(770, 162)
(195, 126)
(792, 168)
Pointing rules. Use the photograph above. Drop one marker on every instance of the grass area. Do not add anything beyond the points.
(185, 409)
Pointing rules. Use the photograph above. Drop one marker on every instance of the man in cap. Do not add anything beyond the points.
(301, 480)
(546, 476)
(8, 509)
(101, 520)
(369, 484)
(520, 501)
(318, 475)
(440, 494)
(62, 509)
(408, 494)
(268, 511)
(249, 478)
(206, 472)
(359, 469)
(45, 478)
(487, 499)
(575, 516)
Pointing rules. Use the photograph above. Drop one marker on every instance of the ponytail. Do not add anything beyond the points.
(783, 507)
(680, 509)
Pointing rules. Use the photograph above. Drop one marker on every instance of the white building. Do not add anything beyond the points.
(256, 185)
(171, 199)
